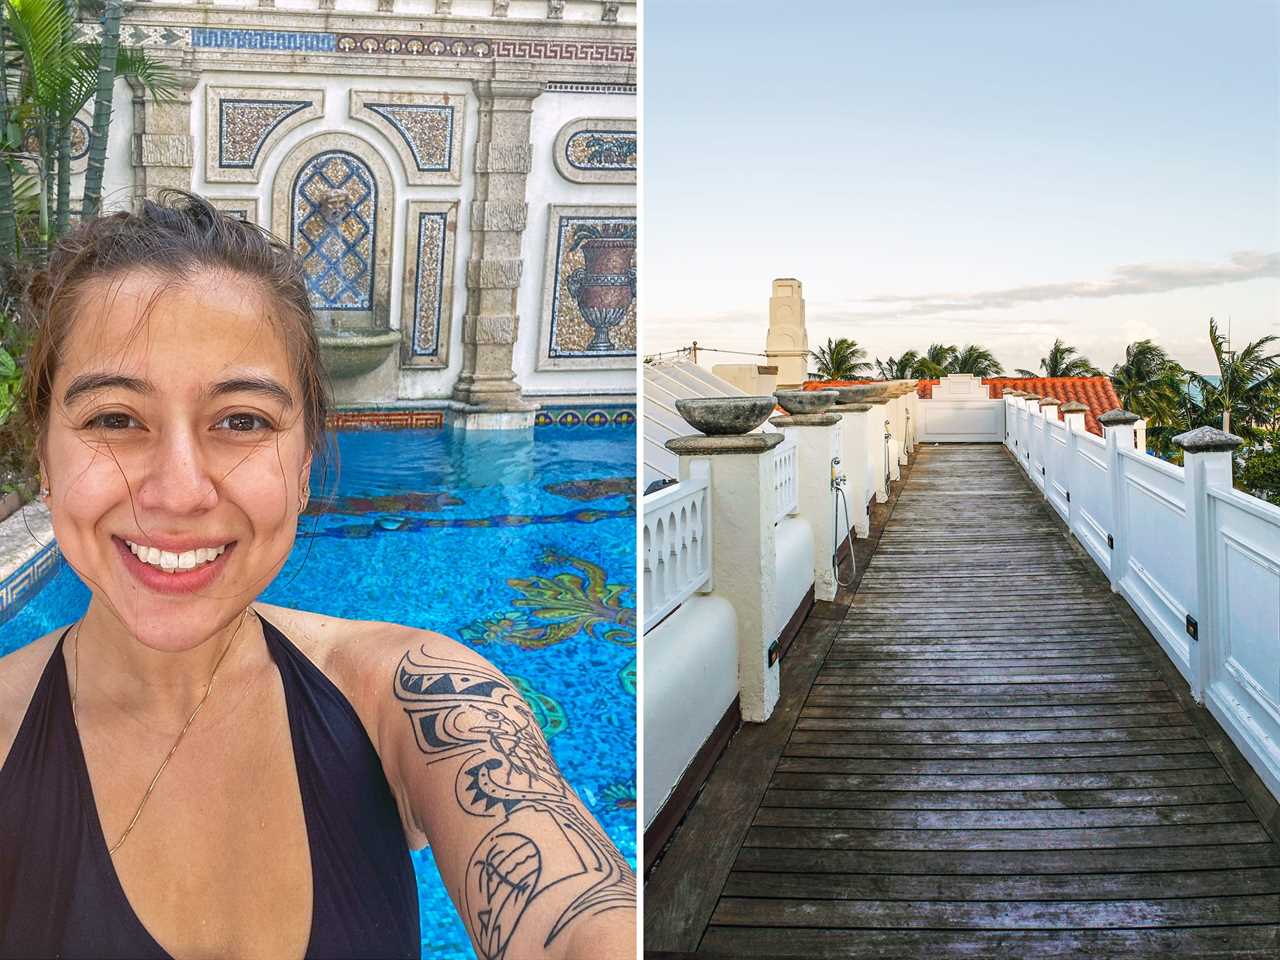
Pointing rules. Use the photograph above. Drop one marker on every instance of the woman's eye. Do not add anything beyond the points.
(243, 423)
(112, 421)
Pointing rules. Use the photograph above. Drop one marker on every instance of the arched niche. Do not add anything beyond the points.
(337, 175)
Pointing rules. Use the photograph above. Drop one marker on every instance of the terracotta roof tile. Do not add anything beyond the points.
(1096, 393)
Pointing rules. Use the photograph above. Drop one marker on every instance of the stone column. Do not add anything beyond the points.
(1073, 412)
(162, 149)
(743, 552)
(855, 424)
(817, 446)
(1206, 458)
(487, 384)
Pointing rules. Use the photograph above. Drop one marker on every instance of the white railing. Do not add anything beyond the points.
(677, 546)
(1198, 561)
(786, 479)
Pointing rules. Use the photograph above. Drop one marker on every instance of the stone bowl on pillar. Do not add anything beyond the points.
(353, 342)
(862, 392)
(725, 416)
(806, 401)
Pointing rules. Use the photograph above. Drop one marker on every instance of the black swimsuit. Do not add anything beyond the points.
(59, 893)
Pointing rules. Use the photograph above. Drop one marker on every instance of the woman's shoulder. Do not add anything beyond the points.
(362, 657)
(19, 673)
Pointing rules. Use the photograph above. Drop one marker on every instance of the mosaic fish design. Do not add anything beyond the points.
(388, 503)
(397, 524)
(546, 709)
(627, 677)
(554, 609)
(621, 796)
(594, 489)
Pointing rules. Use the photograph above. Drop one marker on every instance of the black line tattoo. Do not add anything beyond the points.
(509, 775)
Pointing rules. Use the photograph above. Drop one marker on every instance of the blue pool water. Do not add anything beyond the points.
(520, 544)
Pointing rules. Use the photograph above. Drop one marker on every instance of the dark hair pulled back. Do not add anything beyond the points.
(178, 237)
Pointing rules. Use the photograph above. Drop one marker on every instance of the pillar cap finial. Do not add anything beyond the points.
(1118, 418)
(1050, 402)
(1074, 406)
(1207, 440)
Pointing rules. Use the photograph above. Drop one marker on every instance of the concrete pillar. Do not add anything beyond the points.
(1206, 458)
(1049, 411)
(886, 466)
(855, 429)
(499, 213)
(1073, 412)
(787, 343)
(1117, 429)
(817, 447)
(162, 141)
(743, 551)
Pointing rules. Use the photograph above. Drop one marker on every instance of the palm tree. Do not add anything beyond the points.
(841, 359)
(1063, 361)
(936, 361)
(976, 361)
(1243, 398)
(899, 368)
(49, 78)
(1153, 386)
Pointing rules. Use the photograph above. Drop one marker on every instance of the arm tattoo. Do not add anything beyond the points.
(508, 775)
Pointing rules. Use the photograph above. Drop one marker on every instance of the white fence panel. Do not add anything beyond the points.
(677, 546)
(1159, 578)
(1057, 463)
(961, 421)
(1035, 466)
(786, 479)
(1092, 495)
(1243, 688)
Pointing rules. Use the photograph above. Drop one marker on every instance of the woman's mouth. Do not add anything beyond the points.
(174, 571)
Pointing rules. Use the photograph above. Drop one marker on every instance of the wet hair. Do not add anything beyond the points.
(175, 239)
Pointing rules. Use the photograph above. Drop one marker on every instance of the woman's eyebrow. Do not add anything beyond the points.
(90, 382)
(265, 385)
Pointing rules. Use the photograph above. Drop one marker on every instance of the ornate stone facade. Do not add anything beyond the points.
(597, 150)
(426, 315)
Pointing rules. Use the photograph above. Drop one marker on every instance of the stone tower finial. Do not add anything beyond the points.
(787, 344)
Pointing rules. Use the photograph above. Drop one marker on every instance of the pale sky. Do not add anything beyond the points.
(967, 171)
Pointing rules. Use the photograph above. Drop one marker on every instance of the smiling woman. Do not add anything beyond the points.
(186, 771)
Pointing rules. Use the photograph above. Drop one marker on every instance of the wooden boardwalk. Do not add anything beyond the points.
(990, 761)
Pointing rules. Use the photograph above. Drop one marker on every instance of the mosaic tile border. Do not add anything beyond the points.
(385, 420)
(550, 357)
(585, 416)
(27, 580)
(380, 44)
(215, 170)
(576, 173)
(364, 105)
(566, 86)
(432, 280)
(354, 290)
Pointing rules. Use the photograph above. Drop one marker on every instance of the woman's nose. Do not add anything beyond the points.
(176, 476)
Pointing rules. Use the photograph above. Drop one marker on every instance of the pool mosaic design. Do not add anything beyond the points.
(548, 516)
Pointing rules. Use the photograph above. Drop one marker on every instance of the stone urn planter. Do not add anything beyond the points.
(725, 416)
(605, 286)
(800, 402)
(352, 343)
(863, 392)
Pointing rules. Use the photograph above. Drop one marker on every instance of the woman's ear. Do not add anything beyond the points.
(304, 484)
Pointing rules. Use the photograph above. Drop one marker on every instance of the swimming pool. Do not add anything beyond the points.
(521, 544)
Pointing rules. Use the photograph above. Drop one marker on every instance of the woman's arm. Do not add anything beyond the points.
(531, 872)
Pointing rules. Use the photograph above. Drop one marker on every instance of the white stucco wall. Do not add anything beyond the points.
(793, 566)
(690, 680)
(546, 186)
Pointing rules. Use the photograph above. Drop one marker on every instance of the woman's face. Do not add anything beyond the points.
(175, 452)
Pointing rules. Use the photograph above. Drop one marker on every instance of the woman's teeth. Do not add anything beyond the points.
(171, 562)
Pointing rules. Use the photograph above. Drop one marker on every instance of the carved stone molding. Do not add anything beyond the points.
(426, 311)
(427, 130)
(246, 208)
(597, 150)
(244, 124)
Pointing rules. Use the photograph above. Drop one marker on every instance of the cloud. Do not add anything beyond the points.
(1127, 280)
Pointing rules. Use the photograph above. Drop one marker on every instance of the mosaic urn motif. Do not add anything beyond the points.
(604, 287)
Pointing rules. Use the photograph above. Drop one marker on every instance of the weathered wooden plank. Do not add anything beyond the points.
(848, 838)
(1076, 730)
(1052, 713)
(1070, 886)
(1001, 799)
(784, 813)
(1239, 943)
(1003, 751)
(1061, 781)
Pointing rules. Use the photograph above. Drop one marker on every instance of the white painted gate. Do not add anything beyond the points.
(961, 411)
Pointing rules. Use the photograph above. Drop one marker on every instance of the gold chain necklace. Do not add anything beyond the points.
(181, 733)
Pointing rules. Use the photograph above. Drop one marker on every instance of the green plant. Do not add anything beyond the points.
(1260, 473)
(1063, 361)
(841, 359)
